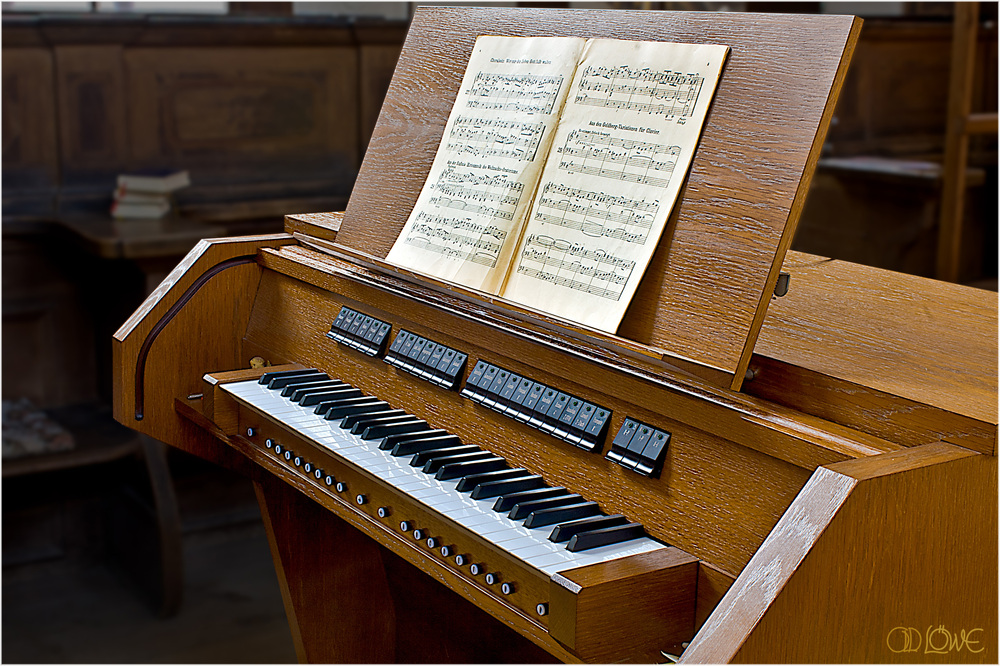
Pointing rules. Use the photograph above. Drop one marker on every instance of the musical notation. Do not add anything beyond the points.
(574, 266)
(494, 137)
(599, 154)
(482, 198)
(596, 214)
(518, 93)
(664, 93)
(446, 236)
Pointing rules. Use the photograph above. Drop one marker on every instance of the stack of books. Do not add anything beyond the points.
(148, 196)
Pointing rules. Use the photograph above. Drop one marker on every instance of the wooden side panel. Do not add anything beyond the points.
(243, 111)
(627, 610)
(204, 335)
(717, 262)
(873, 555)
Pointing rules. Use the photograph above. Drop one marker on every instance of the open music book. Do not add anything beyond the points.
(558, 169)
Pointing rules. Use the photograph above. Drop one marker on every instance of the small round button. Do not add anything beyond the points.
(297, 461)
(405, 526)
(383, 512)
(492, 578)
(288, 455)
(318, 473)
(507, 588)
(341, 486)
(432, 543)
(461, 560)
(542, 609)
(307, 468)
(278, 448)
(361, 500)
(445, 551)
(475, 569)
(328, 480)
(268, 443)
(251, 432)
(418, 534)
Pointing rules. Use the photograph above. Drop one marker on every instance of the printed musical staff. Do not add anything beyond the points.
(494, 137)
(518, 93)
(599, 154)
(664, 93)
(470, 237)
(445, 236)
(574, 266)
(596, 214)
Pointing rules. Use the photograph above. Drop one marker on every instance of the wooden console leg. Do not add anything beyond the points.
(332, 580)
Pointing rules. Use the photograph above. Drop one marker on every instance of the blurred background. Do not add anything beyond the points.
(117, 550)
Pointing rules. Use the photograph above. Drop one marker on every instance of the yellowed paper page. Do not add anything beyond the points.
(622, 149)
(464, 226)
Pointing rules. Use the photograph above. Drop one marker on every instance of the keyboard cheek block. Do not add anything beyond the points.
(636, 592)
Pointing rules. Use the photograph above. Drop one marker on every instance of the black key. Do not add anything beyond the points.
(472, 481)
(326, 396)
(456, 469)
(268, 376)
(564, 531)
(421, 458)
(522, 510)
(561, 514)
(361, 426)
(604, 537)
(378, 432)
(488, 489)
(348, 422)
(433, 465)
(508, 501)
(391, 441)
(299, 391)
(347, 408)
(351, 422)
(413, 446)
(310, 381)
(282, 382)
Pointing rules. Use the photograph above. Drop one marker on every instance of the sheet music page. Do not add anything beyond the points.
(621, 152)
(463, 227)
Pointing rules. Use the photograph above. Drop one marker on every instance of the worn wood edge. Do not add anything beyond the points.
(176, 278)
(798, 203)
(406, 549)
(789, 543)
(825, 442)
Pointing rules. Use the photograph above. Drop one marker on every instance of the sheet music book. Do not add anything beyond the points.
(559, 166)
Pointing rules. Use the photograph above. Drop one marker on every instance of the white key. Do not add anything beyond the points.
(531, 546)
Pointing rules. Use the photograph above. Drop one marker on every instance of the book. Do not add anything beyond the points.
(153, 182)
(141, 210)
(558, 169)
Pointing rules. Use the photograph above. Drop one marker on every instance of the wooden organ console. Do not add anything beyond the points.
(734, 476)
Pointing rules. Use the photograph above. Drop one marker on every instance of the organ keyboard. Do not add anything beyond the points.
(447, 477)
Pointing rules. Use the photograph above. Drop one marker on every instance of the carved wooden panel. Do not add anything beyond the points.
(92, 130)
(261, 113)
(30, 159)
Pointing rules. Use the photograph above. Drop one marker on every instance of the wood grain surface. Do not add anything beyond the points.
(205, 334)
(870, 549)
(706, 290)
(904, 357)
